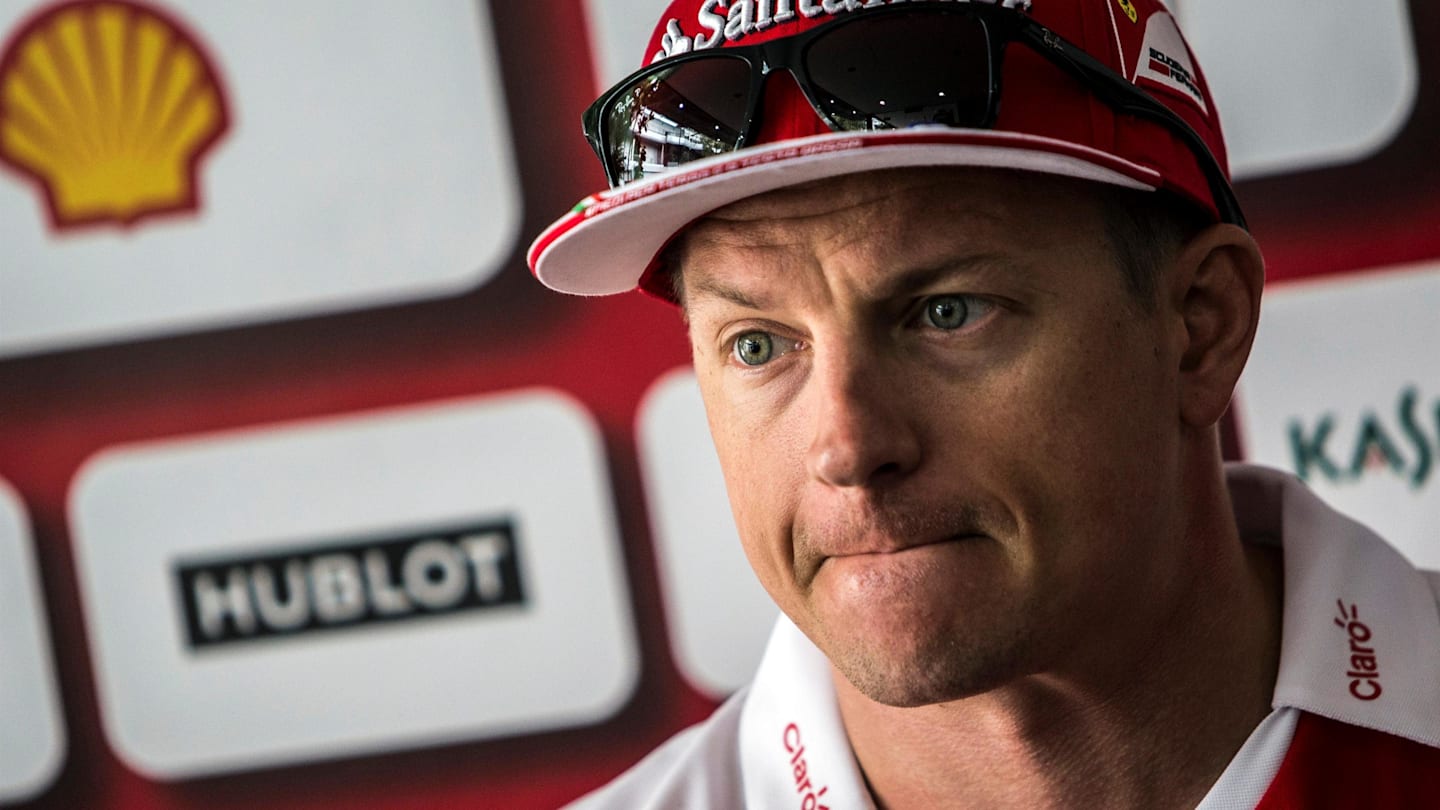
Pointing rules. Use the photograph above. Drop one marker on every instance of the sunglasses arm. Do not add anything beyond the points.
(1126, 98)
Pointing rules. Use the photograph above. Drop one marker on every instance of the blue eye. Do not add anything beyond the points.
(754, 348)
(947, 311)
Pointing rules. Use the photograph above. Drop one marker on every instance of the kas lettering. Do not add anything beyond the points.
(1364, 673)
(800, 769)
(729, 20)
(336, 588)
(1375, 444)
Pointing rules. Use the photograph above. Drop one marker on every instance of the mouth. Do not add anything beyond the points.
(876, 557)
(891, 570)
(880, 537)
(892, 548)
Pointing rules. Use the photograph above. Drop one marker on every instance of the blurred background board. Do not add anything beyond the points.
(308, 332)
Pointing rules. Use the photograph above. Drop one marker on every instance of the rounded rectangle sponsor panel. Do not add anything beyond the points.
(1303, 84)
(32, 733)
(719, 615)
(1343, 390)
(375, 582)
(323, 156)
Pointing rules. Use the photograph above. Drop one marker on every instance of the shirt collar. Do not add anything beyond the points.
(792, 740)
(1361, 633)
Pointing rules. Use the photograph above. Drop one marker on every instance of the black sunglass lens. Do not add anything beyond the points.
(677, 115)
(903, 70)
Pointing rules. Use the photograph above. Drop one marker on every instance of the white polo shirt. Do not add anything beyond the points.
(1360, 644)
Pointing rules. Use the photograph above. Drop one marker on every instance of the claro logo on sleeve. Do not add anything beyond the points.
(332, 587)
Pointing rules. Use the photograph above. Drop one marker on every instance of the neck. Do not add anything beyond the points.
(1146, 718)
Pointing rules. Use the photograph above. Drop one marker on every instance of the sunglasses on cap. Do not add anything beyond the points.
(886, 68)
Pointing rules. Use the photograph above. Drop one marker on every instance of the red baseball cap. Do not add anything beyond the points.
(1047, 122)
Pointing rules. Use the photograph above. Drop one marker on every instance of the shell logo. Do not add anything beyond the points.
(108, 106)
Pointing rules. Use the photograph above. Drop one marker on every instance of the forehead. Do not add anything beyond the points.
(907, 212)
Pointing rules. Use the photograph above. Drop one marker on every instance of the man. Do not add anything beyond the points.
(968, 293)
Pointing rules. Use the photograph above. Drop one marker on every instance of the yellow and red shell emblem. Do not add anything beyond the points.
(109, 107)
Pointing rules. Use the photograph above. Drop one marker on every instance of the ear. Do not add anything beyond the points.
(1215, 288)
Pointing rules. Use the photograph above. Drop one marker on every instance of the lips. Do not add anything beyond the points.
(881, 527)
(889, 535)
(883, 549)
(876, 551)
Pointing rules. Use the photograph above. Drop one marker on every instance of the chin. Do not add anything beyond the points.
(926, 671)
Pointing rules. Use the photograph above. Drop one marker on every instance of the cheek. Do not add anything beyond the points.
(1088, 397)
(762, 482)
(1086, 439)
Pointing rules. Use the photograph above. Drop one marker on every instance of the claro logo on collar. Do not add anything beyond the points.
(809, 796)
(1364, 672)
(730, 20)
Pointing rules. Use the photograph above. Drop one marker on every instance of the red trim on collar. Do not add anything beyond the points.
(1332, 764)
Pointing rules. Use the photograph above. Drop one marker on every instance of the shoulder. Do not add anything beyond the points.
(697, 768)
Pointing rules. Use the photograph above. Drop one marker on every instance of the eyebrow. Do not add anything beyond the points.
(717, 288)
(903, 283)
(913, 280)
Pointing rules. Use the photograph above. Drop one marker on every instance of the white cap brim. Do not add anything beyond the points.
(605, 244)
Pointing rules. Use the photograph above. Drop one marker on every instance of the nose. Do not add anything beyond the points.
(864, 428)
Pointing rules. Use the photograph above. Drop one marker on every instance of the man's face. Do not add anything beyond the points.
(949, 434)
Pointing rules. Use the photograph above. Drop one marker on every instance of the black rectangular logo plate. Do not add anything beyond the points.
(329, 586)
